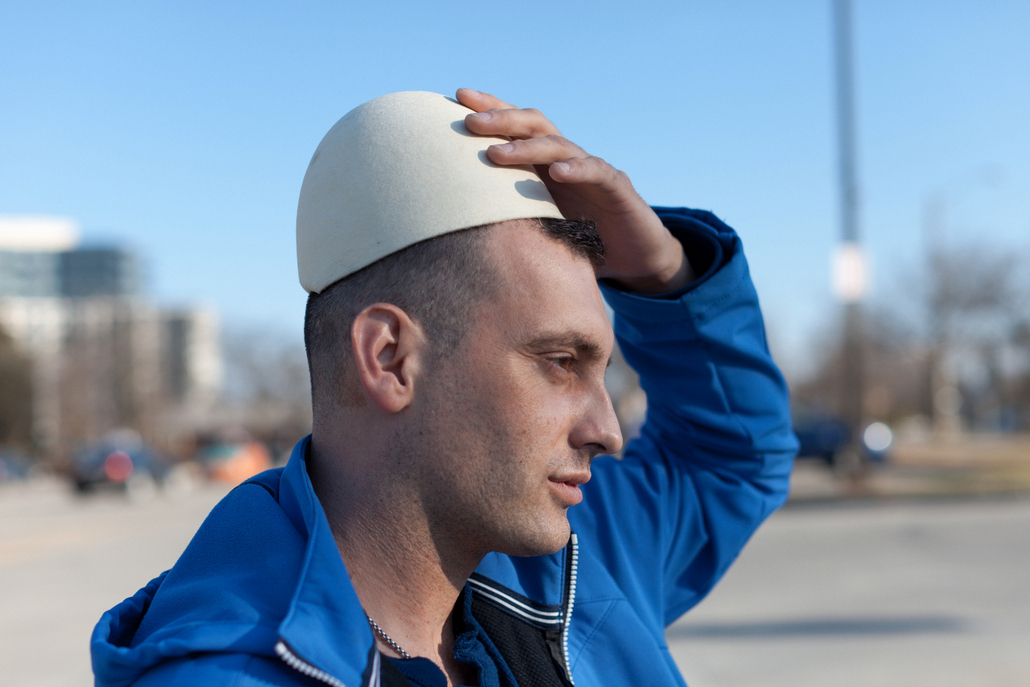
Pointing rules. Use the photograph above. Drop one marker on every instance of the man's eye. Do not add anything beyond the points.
(565, 362)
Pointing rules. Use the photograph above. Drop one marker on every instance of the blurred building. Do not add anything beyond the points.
(86, 272)
(30, 250)
(103, 355)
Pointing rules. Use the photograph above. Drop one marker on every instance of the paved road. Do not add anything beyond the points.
(906, 595)
(65, 560)
(858, 595)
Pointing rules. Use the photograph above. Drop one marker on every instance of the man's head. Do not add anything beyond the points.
(461, 369)
(482, 387)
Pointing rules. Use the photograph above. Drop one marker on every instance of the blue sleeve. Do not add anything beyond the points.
(715, 453)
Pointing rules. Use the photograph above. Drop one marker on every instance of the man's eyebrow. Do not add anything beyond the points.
(584, 347)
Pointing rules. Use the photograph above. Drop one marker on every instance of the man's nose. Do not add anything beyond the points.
(598, 429)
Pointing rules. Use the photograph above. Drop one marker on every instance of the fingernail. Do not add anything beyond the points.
(482, 116)
(506, 147)
(471, 92)
(562, 167)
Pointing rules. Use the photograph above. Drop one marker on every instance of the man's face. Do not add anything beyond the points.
(513, 418)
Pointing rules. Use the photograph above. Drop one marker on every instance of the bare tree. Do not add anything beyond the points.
(953, 347)
(895, 359)
(975, 303)
(267, 380)
(15, 396)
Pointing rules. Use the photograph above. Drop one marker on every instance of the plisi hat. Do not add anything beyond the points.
(397, 170)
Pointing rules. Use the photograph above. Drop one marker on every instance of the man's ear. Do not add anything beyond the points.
(389, 349)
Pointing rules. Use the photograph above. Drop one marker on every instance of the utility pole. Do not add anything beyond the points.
(850, 270)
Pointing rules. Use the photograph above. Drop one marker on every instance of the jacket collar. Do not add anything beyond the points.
(326, 626)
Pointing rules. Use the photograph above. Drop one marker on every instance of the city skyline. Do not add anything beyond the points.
(98, 352)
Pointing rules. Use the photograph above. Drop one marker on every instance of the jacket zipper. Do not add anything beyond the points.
(570, 599)
(571, 571)
(301, 666)
(376, 673)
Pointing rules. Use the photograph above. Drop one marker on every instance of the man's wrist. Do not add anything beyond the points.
(677, 275)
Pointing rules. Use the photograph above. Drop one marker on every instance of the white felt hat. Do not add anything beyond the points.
(398, 170)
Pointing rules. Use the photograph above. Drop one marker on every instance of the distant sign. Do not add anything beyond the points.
(850, 273)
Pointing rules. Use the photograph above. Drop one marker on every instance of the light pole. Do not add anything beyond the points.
(850, 269)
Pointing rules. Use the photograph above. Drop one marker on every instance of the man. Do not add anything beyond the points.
(430, 531)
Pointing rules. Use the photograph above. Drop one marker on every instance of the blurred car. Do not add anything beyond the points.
(13, 466)
(234, 462)
(828, 438)
(121, 460)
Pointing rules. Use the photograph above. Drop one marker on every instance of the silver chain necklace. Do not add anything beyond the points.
(389, 640)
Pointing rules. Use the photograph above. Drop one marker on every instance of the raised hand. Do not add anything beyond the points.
(642, 255)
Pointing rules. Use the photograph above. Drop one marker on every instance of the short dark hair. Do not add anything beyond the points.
(436, 282)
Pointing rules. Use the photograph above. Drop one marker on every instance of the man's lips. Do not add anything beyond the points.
(573, 478)
(567, 486)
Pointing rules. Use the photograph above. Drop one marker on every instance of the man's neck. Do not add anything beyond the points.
(405, 582)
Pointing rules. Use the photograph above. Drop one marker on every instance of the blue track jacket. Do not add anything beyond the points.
(261, 595)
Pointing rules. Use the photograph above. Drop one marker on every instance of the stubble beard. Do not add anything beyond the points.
(474, 497)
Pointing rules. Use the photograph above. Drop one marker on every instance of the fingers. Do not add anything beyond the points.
(474, 100)
(536, 141)
(527, 123)
(588, 170)
(495, 117)
(542, 150)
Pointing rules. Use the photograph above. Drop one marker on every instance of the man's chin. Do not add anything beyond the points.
(541, 543)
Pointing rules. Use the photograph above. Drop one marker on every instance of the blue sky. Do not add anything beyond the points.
(184, 129)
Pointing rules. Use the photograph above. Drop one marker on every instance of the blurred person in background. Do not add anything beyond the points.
(456, 516)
